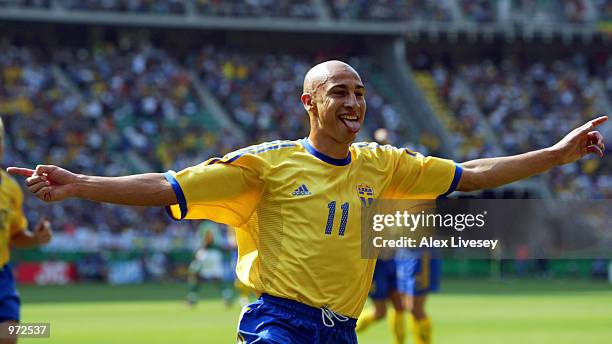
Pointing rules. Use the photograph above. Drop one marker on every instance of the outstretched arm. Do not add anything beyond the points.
(494, 172)
(51, 183)
(41, 235)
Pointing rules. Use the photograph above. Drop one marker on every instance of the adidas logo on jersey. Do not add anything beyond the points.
(301, 191)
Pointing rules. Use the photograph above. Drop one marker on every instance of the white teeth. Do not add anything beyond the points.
(350, 118)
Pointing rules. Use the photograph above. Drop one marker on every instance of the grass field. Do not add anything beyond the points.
(465, 311)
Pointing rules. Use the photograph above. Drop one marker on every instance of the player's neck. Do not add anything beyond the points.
(329, 146)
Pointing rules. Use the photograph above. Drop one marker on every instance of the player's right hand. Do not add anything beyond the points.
(43, 232)
(47, 182)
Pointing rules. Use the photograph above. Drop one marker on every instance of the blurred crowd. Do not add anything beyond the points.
(534, 11)
(478, 11)
(261, 92)
(224, 8)
(257, 8)
(135, 6)
(98, 113)
(143, 90)
(26, 3)
(529, 107)
(116, 109)
(604, 8)
(433, 10)
(468, 129)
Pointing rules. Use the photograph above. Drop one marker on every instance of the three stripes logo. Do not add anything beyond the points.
(301, 191)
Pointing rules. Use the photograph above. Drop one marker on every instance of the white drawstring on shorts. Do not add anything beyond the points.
(327, 316)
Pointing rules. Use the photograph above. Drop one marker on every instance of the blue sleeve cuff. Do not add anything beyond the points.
(180, 196)
(455, 182)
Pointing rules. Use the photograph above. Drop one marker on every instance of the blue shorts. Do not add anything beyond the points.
(9, 299)
(418, 272)
(276, 320)
(385, 279)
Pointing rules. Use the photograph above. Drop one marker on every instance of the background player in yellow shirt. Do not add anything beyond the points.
(13, 232)
(296, 205)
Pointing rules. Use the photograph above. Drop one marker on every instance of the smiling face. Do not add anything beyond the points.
(334, 97)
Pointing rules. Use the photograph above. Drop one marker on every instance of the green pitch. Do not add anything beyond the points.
(466, 311)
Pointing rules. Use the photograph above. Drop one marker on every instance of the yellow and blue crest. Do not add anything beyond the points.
(366, 195)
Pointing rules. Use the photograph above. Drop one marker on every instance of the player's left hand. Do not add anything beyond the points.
(43, 232)
(580, 142)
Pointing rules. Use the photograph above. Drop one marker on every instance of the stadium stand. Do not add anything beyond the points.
(481, 11)
(26, 3)
(233, 8)
(130, 106)
(113, 87)
(114, 108)
(79, 132)
(144, 90)
(137, 6)
(438, 10)
(475, 11)
(257, 8)
(261, 92)
(528, 107)
(450, 100)
(533, 106)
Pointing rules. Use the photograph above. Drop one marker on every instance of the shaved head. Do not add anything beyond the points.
(321, 73)
(334, 97)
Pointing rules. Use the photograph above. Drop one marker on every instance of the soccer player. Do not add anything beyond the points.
(206, 262)
(212, 262)
(296, 205)
(14, 232)
(418, 274)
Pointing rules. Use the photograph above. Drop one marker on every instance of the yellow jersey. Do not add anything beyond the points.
(12, 219)
(298, 212)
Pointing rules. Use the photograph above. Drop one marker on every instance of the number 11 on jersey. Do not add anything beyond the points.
(331, 206)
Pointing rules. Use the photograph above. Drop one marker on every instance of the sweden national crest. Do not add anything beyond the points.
(366, 195)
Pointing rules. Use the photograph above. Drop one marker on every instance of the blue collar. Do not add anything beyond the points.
(321, 156)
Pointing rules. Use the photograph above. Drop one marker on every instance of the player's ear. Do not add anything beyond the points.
(308, 102)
